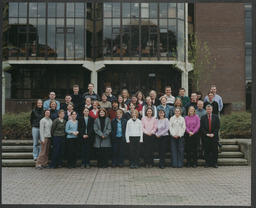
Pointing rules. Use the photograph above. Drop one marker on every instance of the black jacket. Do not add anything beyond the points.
(78, 101)
(114, 127)
(36, 115)
(54, 114)
(215, 126)
(82, 126)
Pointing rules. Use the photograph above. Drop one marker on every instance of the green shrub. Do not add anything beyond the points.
(16, 126)
(236, 125)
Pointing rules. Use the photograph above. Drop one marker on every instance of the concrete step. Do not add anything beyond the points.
(17, 155)
(17, 142)
(17, 148)
(231, 155)
(228, 141)
(230, 148)
(31, 162)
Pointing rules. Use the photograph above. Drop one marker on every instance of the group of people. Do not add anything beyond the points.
(109, 125)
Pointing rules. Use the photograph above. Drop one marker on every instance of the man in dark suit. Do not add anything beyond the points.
(210, 125)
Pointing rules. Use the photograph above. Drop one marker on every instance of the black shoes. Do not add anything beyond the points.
(215, 166)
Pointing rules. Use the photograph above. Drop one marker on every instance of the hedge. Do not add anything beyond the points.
(16, 126)
(236, 125)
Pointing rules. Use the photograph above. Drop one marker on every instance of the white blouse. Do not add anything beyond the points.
(177, 126)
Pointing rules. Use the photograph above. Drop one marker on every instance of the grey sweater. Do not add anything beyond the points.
(45, 128)
(58, 127)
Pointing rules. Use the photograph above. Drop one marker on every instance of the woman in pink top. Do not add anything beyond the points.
(149, 126)
(192, 138)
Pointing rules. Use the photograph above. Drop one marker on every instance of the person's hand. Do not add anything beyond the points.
(158, 137)
(208, 135)
(141, 141)
(211, 135)
(191, 134)
(128, 142)
(176, 137)
(85, 136)
(102, 137)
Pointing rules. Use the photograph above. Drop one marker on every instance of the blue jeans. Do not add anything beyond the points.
(177, 149)
(36, 144)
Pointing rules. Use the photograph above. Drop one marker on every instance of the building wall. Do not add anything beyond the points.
(221, 25)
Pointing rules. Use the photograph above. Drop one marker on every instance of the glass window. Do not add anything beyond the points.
(163, 10)
(126, 9)
(70, 9)
(51, 37)
(13, 10)
(172, 40)
(41, 10)
(171, 10)
(144, 10)
(107, 10)
(79, 40)
(116, 9)
(153, 10)
(32, 9)
(22, 9)
(41, 37)
(134, 10)
(60, 9)
(180, 44)
(181, 10)
(51, 9)
(13, 21)
(79, 9)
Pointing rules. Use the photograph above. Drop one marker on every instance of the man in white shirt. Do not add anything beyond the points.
(168, 95)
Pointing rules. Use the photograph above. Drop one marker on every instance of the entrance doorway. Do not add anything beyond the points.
(139, 77)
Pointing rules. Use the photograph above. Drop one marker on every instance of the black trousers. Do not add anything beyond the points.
(118, 145)
(72, 151)
(211, 150)
(57, 150)
(162, 143)
(102, 156)
(86, 151)
(134, 150)
(192, 144)
(148, 149)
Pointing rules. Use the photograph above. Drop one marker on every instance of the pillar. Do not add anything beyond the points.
(3, 93)
(94, 80)
(184, 81)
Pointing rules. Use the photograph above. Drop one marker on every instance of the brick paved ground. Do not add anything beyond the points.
(186, 186)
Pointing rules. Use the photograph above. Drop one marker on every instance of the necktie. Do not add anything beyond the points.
(210, 123)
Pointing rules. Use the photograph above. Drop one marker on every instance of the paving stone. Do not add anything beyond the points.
(183, 186)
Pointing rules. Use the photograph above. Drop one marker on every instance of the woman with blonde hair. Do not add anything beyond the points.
(192, 138)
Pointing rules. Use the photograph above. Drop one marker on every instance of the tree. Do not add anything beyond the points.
(200, 56)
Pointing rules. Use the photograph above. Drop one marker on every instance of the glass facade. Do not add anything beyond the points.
(83, 30)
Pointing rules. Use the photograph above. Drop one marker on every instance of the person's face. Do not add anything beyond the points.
(132, 107)
(191, 111)
(120, 99)
(178, 102)
(149, 113)
(210, 96)
(68, 99)
(95, 105)
(168, 91)
(161, 114)
(70, 107)
(115, 105)
(200, 105)
(108, 90)
(209, 110)
(88, 101)
(134, 115)
(125, 94)
(163, 101)
(134, 100)
(90, 87)
(213, 90)
(76, 90)
(86, 112)
(194, 97)
(73, 116)
(53, 105)
(52, 96)
(139, 96)
(148, 100)
(182, 93)
(102, 113)
(177, 112)
(104, 98)
(119, 114)
(39, 104)
(61, 115)
(47, 114)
